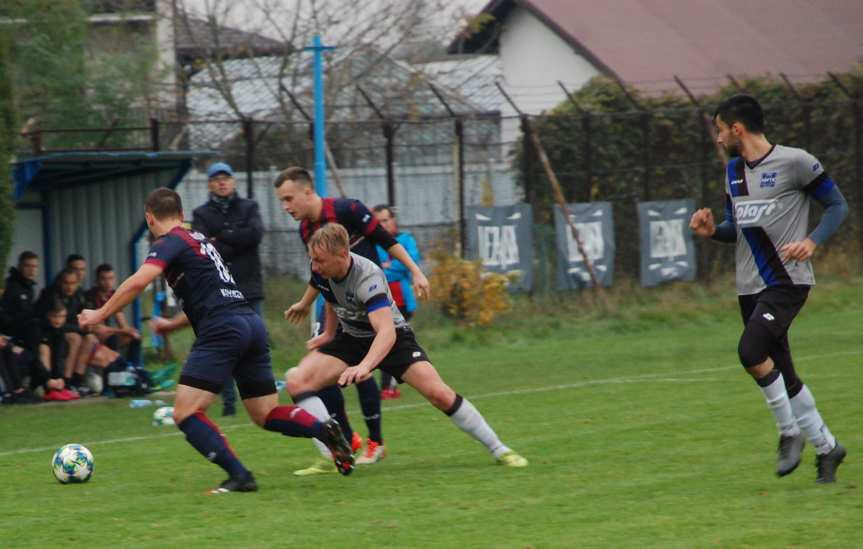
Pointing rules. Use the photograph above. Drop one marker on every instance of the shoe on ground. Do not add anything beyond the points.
(827, 464)
(82, 390)
(373, 454)
(356, 442)
(390, 394)
(321, 466)
(511, 459)
(68, 394)
(340, 449)
(53, 395)
(788, 453)
(244, 483)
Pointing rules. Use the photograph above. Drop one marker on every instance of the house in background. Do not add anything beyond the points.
(646, 43)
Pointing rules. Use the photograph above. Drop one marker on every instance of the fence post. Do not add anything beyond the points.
(249, 137)
(459, 151)
(154, 134)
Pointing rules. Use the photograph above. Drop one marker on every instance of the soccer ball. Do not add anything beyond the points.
(163, 416)
(72, 463)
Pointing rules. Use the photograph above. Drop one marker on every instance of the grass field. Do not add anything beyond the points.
(641, 429)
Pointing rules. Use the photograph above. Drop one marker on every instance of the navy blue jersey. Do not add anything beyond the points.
(197, 274)
(363, 228)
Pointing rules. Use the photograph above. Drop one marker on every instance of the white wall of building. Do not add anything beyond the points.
(534, 60)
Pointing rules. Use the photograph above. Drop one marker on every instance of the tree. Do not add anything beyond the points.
(7, 149)
(69, 76)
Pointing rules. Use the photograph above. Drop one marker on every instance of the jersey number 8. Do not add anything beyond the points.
(213, 254)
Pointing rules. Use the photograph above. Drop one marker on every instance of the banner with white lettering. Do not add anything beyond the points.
(502, 237)
(595, 225)
(667, 249)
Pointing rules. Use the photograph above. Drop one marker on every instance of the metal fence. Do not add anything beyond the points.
(431, 168)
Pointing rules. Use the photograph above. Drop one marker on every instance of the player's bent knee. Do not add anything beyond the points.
(754, 346)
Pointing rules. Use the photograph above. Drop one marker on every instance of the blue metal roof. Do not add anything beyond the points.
(69, 169)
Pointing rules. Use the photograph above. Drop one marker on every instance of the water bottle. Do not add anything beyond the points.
(140, 403)
(159, 403)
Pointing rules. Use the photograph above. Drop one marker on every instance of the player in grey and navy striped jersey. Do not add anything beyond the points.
(364, 330)
(769, 189)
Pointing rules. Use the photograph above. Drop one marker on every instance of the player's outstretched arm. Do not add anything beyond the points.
(330, 322)
(385, 337)
(300, 310)
(421, 283)
(162, 325)
(128, 290)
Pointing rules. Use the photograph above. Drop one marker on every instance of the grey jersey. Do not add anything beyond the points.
(769, 202)
(361, 292)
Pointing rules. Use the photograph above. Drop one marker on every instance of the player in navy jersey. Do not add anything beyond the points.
(768, 192)
(230, 339)
(296, 192)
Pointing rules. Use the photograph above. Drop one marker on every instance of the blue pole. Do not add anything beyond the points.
(320, 158)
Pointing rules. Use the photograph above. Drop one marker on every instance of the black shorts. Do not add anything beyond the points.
(774, 307)
(352, 350)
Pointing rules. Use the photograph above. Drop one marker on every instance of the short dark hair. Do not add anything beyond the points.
(384, 208)
(744, 109)
(66, 272)
(296, 174)
(104, 268)
(57, 306)
(71, 258)
(164, 203)
(25, 256)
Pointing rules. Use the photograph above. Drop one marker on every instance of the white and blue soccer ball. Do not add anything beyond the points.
(72, 463)
(163, 416)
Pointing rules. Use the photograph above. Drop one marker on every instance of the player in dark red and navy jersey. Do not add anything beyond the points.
(230, 340)
(296, 192)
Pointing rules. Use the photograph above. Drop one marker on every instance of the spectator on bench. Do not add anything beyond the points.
(53, 351)
(67, 290)
(116, 333)
(19, 316)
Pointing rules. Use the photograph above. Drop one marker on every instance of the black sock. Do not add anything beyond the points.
(370, 403)
(209, 441)
(335, 402)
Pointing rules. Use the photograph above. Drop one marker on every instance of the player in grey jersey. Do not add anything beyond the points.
(364, 330)
(768, 192)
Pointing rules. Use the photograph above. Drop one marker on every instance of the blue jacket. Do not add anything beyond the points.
(398, 274)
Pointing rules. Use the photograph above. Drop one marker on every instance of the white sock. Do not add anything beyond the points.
(469, 420)
(810, 422)
(315, 406)
(778, 402)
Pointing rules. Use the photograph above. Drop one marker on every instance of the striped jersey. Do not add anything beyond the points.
(769, 202)
(362, 291)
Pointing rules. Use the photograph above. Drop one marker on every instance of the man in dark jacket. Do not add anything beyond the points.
(18, 315)
(234, 226)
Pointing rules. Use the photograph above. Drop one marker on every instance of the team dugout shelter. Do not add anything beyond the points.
(91, 203)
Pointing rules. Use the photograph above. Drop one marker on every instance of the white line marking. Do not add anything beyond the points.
(652, 377)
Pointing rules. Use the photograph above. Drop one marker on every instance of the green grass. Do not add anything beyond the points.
(640, 427)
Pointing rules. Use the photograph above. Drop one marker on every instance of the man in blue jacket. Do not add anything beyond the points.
(400, 281)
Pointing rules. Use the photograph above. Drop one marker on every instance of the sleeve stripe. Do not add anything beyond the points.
(819, 186)
(376, 302)
(156, 261)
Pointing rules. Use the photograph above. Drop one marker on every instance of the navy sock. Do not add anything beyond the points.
(293, 421)
(335, 402)
(207, 439)
(370, 403)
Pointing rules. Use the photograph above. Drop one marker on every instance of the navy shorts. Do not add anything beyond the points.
(231, 345)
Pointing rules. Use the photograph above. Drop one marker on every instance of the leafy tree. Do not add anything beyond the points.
(7, 136)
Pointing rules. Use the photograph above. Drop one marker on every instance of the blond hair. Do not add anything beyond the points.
(332, 238)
